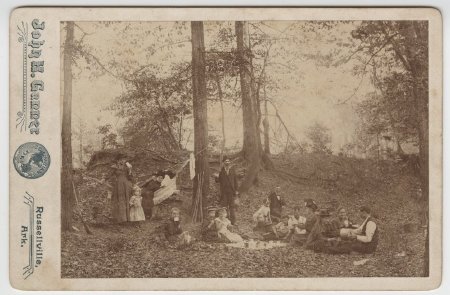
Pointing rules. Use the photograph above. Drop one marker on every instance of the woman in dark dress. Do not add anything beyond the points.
(121, 194)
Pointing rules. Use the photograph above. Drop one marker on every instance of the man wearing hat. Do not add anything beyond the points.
(317, 238)
(228, 188)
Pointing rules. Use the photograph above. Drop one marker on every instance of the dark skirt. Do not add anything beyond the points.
(120, 199)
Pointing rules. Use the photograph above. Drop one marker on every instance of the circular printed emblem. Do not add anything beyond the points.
(31, 160)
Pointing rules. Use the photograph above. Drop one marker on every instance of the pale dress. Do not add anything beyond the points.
(292, 222)
(136, 210)
(224, 232)
(168, 188)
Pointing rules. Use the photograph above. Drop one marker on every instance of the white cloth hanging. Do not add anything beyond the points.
(192, 166)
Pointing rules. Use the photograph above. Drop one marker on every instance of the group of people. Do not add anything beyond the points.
(318, 230)
(133, 202)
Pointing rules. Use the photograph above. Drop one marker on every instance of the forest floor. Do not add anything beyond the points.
(114, 251)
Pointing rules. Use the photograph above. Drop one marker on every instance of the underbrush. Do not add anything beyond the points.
(388, 187)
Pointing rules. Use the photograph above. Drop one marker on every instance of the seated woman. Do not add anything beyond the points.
(174, 232)
(297, 227)
(168, 186)
(209, 230)
(280, 231)
(262, 218)
(223, 226)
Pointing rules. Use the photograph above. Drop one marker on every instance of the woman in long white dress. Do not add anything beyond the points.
(223, 225)
(168, 188)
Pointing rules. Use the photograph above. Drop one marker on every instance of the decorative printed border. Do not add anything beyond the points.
(25, 147)
(29, 269)
(21, 119)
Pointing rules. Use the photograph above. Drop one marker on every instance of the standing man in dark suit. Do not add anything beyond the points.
(228, 188)
(276, 205)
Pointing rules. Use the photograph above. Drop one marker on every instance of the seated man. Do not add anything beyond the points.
(365, 237)
(311, 218)
(317, 240)
(209, 230)
(346, 227)
(173, 231)
(332, 228)
(276, 204)
(342, 218)
(262, 218)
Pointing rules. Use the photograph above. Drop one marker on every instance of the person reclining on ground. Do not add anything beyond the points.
(223, 226)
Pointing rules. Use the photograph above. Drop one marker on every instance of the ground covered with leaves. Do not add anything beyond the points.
(390, 188)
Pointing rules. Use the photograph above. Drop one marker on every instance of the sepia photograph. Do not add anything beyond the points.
(244, 149)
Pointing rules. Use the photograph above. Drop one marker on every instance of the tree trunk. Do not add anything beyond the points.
(180, 132)
(222, 112)
(251, 147)
(378, 150)
(81, 143)
(200, 116)
(415, 33)
(66, 134)
(400, 150)
(266, 125)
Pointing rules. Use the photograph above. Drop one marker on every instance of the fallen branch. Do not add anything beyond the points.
(291, 175)
(85, 225)
(159, 157)
(98, 181)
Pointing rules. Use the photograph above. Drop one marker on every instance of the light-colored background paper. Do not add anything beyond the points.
(47, 187)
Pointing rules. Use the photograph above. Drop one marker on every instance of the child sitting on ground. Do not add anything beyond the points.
(173, 231)
(209, 231)
(136, 210)
(223, 225)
